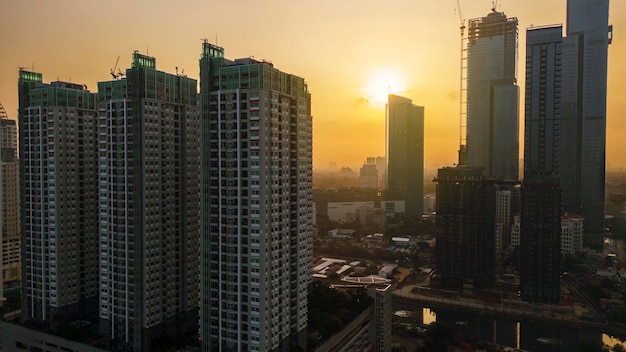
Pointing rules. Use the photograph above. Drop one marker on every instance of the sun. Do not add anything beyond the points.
(381, 83)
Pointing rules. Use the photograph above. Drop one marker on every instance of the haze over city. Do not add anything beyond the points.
(351, 54)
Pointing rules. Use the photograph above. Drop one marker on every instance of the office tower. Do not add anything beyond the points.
(583, 112)
(257, 204)
(540, 239)
(404, 149)
(493, 96)
(59, 198)
(540, 228)
(465, 227)
(368, 174)
(149, 175)
(9, 200)
(542, 113)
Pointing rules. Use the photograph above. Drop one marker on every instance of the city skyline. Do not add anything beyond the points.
(344, 119)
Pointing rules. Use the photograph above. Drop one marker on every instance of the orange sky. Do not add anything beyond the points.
(336, 45)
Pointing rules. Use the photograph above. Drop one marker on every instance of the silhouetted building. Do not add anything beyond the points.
(149, 198)
(542, 115)
(404, 149)
(583, 112)
(465, 227)
(492, 96)
(59, 200)
(540, 239)
(257, 204)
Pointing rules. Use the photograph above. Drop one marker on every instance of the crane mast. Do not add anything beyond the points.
(462, 90)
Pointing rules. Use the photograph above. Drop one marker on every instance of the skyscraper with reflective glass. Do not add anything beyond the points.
(493, 96)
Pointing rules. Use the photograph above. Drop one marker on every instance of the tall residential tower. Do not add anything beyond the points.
(149, 201)
(59, 200)
(257, 204)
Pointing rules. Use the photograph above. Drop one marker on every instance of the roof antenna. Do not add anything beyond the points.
(147, 50)
(215, 38)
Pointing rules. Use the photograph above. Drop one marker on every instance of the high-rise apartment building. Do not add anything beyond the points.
(148, 156)
(256, 204)
(583, 112)
(59, 199)
(404, 152)
(465, 250)
(493, 96)
(9, 200)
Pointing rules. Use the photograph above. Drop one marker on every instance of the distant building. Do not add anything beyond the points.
(404, 147)
(465, 227)
(9, 200)
(493, 96)
(571, 233)
(503, 219)
(394, 208)
(346, 211)
(516, 231)
(368, 216)
(430, 204)
(323, 197)
(368, 175)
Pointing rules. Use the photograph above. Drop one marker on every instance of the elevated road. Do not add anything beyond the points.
(422, 297)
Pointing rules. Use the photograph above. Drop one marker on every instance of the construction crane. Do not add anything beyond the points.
(113, 73)
(494, 6)
(462, 90)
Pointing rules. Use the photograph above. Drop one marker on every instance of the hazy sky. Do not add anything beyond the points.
(349, 52)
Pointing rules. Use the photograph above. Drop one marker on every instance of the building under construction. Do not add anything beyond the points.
(466, 204)
(492, 96)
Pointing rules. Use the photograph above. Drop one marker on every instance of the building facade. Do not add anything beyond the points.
(493, 96)
(59, 200)
(540, 240)
(542, 113)
(149, 205)
(404, 149)
(368, 174)
(571, 234)
(257, 204)
(9, 199)
(465, 221)
(583, 112)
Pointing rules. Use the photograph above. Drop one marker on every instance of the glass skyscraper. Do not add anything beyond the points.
(493, 96)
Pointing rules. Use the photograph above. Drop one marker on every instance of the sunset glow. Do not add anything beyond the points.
(381, 83)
